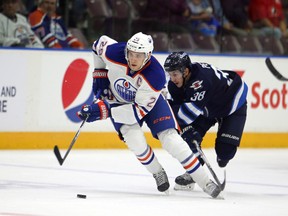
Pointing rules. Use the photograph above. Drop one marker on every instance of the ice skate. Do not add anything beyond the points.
(212, 189)
(162, 181)
(184, 182)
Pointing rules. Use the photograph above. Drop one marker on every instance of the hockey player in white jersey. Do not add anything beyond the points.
(15, 29)
(130, 81)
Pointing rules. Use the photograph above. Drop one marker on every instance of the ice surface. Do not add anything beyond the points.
(32, 183)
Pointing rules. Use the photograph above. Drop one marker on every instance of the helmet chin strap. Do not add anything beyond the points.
(147, 58)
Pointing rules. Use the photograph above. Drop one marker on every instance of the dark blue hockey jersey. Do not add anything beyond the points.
(209, 91)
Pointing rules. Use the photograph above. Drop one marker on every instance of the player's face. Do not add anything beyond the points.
(10, 8)
(177, 78)
(49, 6)
(135, 60)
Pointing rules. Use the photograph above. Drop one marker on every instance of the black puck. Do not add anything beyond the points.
(82, 196)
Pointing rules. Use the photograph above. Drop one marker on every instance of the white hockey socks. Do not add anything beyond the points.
(136, 142)
(179, 149)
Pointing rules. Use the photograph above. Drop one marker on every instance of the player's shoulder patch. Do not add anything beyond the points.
(202, 76)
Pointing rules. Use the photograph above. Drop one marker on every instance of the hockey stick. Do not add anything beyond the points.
(221, 185)
(57, 151)
(274, 71)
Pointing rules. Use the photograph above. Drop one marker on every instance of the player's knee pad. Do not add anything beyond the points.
(134, 138)
(225, 152)
(172, 142)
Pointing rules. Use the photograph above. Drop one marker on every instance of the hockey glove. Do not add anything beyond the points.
(24, 41)
(192, 138)
(101, 82)
(97, 111)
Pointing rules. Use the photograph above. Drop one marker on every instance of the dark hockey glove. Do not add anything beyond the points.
(97, 111)
(192, 138)
(101, 82)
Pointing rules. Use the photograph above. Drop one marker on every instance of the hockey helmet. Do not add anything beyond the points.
(177, 61)
(140, 43)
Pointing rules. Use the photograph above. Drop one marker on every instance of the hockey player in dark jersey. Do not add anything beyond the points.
(131, 80)
(201, 96)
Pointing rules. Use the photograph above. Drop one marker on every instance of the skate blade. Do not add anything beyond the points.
(166, 192)
(220, 196)
(189, 187)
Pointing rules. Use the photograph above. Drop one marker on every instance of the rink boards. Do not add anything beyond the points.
(41, 90)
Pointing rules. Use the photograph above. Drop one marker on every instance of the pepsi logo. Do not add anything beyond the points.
(72, 84)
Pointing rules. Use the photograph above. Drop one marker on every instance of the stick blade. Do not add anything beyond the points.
(58, 155)
(274, 71)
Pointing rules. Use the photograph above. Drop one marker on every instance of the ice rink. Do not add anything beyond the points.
(32, 183)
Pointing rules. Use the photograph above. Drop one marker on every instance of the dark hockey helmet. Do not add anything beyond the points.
(177, 61)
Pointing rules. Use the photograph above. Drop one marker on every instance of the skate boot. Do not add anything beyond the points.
(212, 189)
(162, 181)
(184, 182)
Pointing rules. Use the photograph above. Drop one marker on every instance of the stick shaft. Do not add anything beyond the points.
(221, 185)
(57, 151)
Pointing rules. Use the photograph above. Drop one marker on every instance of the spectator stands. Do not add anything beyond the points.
(122, 18)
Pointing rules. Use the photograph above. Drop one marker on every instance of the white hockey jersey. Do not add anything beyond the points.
(12, 32)
(136, 91)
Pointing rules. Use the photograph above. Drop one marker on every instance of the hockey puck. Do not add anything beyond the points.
(82, 196)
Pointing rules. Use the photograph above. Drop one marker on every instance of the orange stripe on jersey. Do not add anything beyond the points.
(138, 72)
(49, 40)
(191, 164)
(147, 64)
(114, 62)
(52, 42)
(142, 113)
(57, 45)
(36, 17)
(150, 85)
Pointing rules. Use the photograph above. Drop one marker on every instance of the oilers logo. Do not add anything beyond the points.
(125, 89)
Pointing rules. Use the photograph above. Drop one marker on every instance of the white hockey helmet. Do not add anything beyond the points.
(140, 42)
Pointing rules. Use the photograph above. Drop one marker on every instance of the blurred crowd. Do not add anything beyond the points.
(35, 24)
(218, 26)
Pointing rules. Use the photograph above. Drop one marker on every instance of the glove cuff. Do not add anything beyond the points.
(187, 128)
(100, 73)
(104, 111)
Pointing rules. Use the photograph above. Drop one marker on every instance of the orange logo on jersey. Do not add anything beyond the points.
(161, 119)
